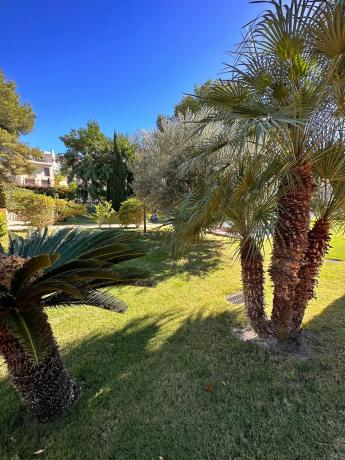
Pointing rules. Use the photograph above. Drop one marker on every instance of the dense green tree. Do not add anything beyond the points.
(87, 159)
(120, 175)
(92, 159)
(16, 119)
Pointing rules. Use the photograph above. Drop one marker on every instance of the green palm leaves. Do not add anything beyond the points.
(68, 267)
(242, 198)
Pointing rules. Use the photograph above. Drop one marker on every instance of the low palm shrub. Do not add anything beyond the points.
(67, 268)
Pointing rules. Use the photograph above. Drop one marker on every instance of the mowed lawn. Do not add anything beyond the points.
(170, 379)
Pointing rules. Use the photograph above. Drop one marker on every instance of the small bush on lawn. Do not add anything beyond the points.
(3, 224)
(103, 213)
(34, 208)
(131, 212)
(65, 209)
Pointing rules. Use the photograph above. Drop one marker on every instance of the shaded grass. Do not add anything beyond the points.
(143, 375)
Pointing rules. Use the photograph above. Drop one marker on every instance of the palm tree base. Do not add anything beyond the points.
(46, 388)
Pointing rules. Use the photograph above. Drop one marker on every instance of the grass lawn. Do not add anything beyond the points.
(143, 375)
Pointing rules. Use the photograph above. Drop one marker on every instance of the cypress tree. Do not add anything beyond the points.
(118, 187)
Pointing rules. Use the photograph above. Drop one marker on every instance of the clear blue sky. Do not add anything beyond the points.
(120, 63)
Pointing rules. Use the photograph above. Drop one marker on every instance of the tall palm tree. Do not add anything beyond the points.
(242, 198)
(329, 209)
(67, 268)
(287, 82)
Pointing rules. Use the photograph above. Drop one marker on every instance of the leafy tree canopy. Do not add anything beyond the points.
(90, 158)
(16, 119)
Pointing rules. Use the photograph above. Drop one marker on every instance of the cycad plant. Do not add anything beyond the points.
(67, 268)
(286, 84)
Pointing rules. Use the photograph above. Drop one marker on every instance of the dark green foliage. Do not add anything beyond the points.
(64, 193)
(98, 162)
(118, 186)
(16, 119)
(2, 198)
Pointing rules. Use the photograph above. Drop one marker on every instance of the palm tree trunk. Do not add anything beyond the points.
(253, 287)
(289, 244)
(45, 388)
(318, 244)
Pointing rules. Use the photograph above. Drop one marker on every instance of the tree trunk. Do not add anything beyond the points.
(45, 388)
(318, 244)
(289, 244)
(253, 286)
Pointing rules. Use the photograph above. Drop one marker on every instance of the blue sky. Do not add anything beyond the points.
(120, 63)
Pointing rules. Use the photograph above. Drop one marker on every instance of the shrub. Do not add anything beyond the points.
(63, 192)
(131, 212)
(3, 224)
(2, 197)
(65, 209)
(103, 213)
(34, 208)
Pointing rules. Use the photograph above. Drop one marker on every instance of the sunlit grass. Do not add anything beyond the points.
(143, 376)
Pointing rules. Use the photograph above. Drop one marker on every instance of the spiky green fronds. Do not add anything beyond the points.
(67, 267)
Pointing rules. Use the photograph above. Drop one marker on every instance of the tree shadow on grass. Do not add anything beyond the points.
(198, 393)
(201, 259)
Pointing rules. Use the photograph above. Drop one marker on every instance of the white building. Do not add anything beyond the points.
(44, 172)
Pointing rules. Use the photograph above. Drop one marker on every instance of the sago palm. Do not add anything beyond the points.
(286, 83)
(66, 268)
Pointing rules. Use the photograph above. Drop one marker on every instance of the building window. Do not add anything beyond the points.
(47, 172)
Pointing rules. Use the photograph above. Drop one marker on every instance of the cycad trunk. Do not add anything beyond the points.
(318, 244)
(45, 388)
(289, 244)
(253, 287)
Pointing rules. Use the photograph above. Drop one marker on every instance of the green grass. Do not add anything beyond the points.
(142, 375)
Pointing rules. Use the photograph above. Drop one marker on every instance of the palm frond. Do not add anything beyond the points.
(94, 297)
(30, 268)
(27, 326)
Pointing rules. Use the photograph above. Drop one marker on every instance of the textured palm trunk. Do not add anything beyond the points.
(253, 286)
(289, 244)
(45, 388)
(318, 244)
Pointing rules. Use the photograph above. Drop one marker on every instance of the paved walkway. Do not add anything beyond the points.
(21, 226)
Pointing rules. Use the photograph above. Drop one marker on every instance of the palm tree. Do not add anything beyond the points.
(287, 82)
(67, 268)
(329, 209)
(242, 197)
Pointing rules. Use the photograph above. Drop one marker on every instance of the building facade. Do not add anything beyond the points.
(43, 174)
